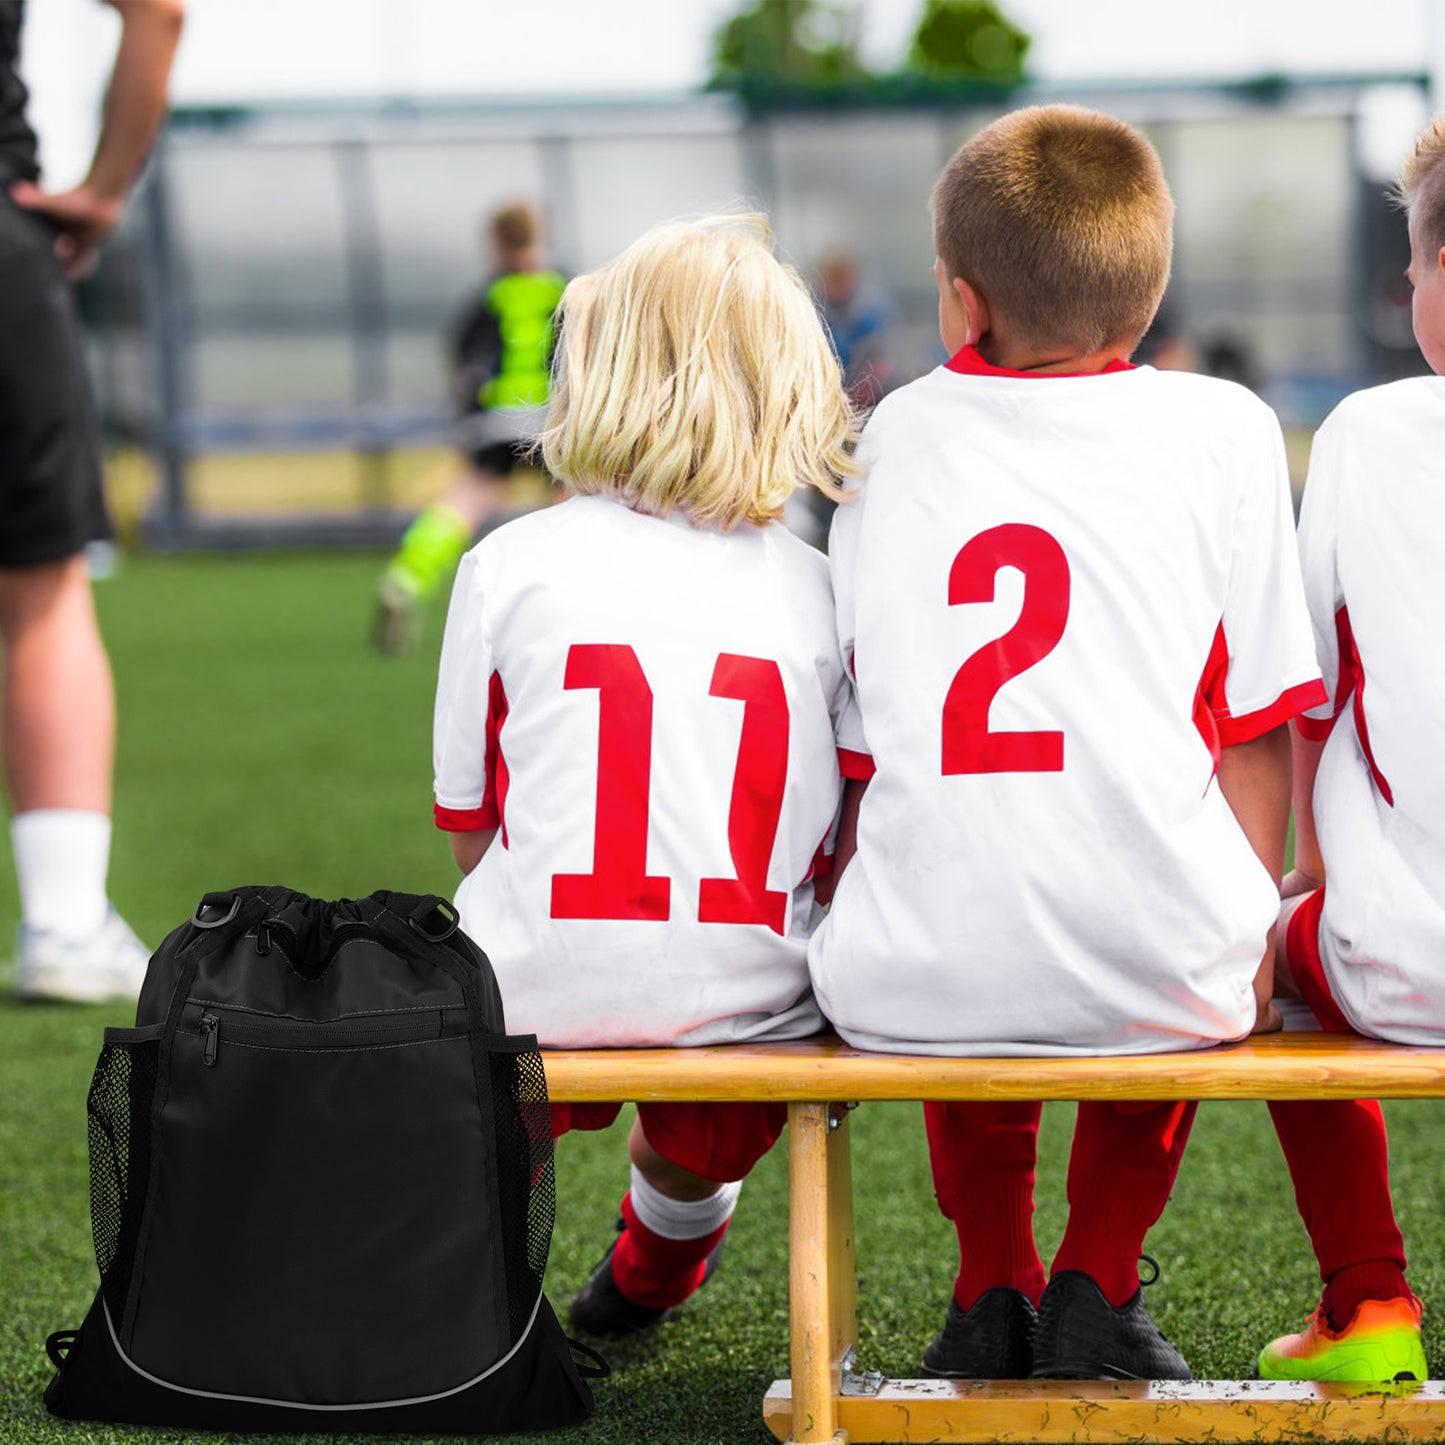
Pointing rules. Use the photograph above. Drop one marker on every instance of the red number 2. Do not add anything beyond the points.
(968, 745)
(619, 885)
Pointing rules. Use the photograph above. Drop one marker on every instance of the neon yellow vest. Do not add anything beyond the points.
(523, 304)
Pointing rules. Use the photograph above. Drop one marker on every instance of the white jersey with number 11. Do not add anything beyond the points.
(646, 711)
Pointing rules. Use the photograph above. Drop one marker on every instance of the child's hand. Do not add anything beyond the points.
(1267, 1018)
(1297, 881)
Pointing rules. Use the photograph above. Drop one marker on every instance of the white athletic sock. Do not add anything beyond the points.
(61, 859)
(682, 1218)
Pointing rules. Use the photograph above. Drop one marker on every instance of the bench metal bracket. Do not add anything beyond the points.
(852, 1380)
(837, 1113)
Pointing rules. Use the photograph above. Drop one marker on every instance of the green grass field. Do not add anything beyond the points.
(262, 743)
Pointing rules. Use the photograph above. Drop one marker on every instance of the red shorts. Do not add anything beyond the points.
(1302, 943)
(721, 1142)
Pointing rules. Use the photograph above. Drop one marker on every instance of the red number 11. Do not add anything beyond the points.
(619, 885)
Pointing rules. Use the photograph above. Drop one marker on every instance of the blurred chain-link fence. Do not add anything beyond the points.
(281, 286)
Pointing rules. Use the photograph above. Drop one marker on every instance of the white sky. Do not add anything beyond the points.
(241, 50)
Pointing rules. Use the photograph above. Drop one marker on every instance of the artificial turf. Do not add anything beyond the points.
(261, 742)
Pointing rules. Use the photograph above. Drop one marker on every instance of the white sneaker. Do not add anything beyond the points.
(109, 964)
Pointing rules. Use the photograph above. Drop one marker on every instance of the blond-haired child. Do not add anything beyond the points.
(1364, 951)
(634, 739)
(1070, 592)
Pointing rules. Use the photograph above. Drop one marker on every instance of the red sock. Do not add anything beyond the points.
(1122, 1167)
(983, 1174)
(652, 1270)
(1338, 1157)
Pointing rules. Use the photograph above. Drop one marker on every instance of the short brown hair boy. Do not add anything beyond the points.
(1062, 220)
(1421, 187)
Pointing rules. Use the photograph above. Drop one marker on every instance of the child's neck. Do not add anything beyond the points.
(1016, 356)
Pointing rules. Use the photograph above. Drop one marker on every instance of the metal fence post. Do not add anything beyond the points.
(161, 287)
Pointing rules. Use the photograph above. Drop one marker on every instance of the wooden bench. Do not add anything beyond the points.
(827, 1399)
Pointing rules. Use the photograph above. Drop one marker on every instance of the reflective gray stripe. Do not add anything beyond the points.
(303, 1405)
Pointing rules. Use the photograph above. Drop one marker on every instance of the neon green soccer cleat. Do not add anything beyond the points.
(1380, 1344)
(431, 547)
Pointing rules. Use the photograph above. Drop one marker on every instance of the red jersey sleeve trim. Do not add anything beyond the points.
(465, 820)
(1289, 704)
(1316, 729)
(858, 766)
(494, 798)
(1352, 681)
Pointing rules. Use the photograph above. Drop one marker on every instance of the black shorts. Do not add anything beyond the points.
(51, 501)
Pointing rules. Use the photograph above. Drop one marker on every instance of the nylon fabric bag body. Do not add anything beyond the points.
(321, 1185)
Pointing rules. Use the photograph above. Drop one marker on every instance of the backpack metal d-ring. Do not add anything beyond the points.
(208, 912)
(432, 906)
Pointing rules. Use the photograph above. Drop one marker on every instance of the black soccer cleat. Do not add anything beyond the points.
(994, 1340)
(600, 1308)
(1081, 1336)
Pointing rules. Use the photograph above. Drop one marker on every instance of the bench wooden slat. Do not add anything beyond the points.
(1274, 1066)
(1058, 1412)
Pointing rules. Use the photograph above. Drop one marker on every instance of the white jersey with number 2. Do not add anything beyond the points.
(646, 711)
(1372, 544)
(1061, 595)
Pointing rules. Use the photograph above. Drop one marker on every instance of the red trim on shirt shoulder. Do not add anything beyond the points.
(1289, 704)
(495, 796)
(491, 812)
(1317, 730)
(1350, 683)
(967, 362)
(1352, 680)
(858, 766)
(464, 820)
(1210, 703)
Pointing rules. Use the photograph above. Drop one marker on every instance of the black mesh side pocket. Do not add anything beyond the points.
(119, 1110)
(524, 1168)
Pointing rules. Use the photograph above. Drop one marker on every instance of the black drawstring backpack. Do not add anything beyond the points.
(321, 1186)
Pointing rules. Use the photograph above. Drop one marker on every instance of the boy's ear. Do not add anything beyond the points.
(975, 308)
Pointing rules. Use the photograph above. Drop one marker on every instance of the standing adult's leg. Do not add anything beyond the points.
(57, 705)
(58, 711)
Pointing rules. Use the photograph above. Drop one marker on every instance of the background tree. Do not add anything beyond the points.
(788, 43)
(967, 40)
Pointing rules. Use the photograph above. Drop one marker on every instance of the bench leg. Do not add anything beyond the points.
(842, 1264)
(822, 1285)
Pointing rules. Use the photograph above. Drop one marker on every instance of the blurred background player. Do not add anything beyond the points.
(59, 700)
(1166, 345)
(501, 349)
(635, 717)
(860, 319)
(1363, 924)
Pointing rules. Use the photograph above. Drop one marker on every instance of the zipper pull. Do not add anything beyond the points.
(210, 1037)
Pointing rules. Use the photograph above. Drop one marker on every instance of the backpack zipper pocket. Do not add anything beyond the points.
(379, 1031)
